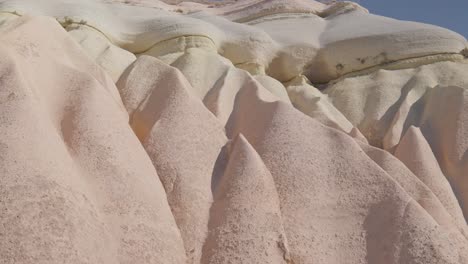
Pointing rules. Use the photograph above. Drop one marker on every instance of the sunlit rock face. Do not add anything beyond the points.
(257, 131)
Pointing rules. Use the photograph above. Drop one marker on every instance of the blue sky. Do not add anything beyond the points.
(452, 14)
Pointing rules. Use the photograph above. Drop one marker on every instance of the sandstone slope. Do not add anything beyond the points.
(212, 132)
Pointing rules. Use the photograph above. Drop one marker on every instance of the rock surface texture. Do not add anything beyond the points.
(229, 132)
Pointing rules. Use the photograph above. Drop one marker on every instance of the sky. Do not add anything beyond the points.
(451, 14)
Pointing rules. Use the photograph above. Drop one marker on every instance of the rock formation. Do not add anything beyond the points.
(210, 132)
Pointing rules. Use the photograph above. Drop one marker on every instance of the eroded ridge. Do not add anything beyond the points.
(257, 131)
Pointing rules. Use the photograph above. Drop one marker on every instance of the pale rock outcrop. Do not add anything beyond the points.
(356, 40)
(218, 84)
(203, 69)
(454, 226)
(257, 131)
(385, 103)
(325, 220)
(432, 248)
(315, 104)
(287, 38)
(274, 86)
(112, 59)
(416, 154)
(76, 185)
(182, 138)
(444, 124)
(245, 219)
